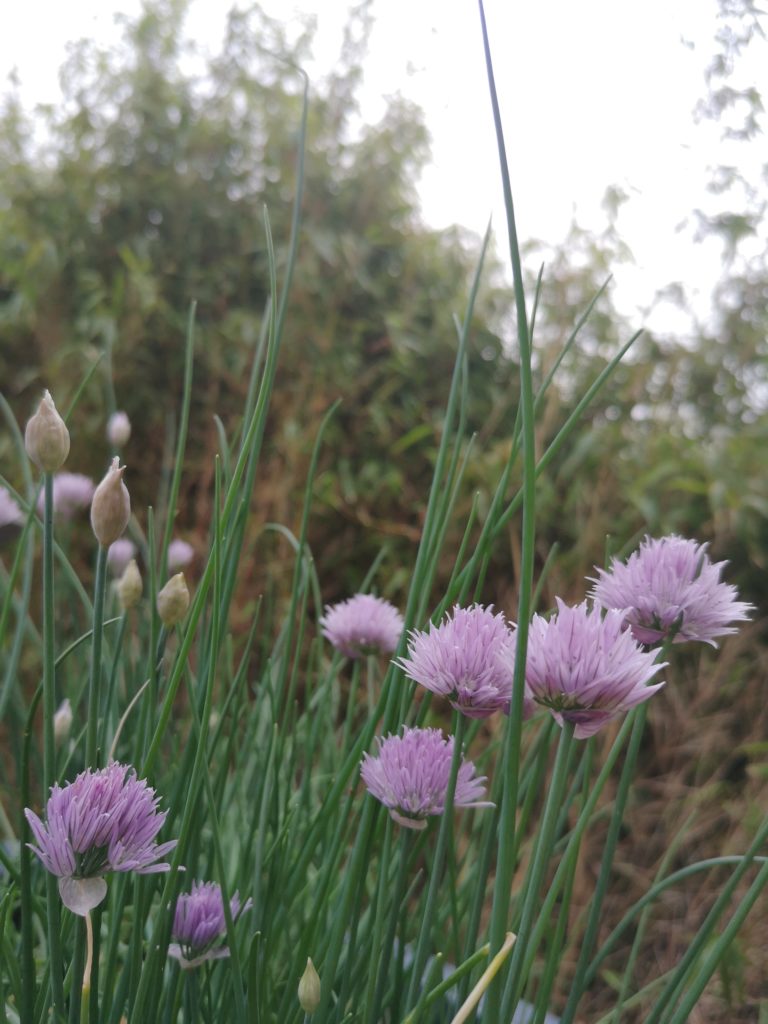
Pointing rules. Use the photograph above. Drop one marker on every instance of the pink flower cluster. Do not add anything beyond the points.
(410, 776)
(199, 921)
(106, 820)
(670, 590)
(586, 664)
(362, 625)
(72, 492)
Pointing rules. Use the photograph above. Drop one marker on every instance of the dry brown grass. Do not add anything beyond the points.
(702, 784)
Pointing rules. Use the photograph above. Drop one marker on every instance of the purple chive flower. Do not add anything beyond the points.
(670, 590)
(118, 429)
(71, 493)
(465, 659)
(119, 554)
(585, 668)
(10, 513)
(361, 625)
(105, 820)
(199, 920)
(180, 554)
(410, 776)
(11, 516)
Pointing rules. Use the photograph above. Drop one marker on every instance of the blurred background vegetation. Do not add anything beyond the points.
(144, 190)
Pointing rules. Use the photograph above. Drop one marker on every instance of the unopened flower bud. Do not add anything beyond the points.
(111, 506)
(62, 722)
(46, 437)
(118, 429)
(309, 988)
(173, 601)
(129, 586)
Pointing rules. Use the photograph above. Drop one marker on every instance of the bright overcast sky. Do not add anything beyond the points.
(600, 91)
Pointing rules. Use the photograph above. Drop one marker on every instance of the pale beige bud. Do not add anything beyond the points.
(309, 988)
(111, 506)
(62, 722)
(173, 601)
(118, 429)
(129, 586)
(46, 437)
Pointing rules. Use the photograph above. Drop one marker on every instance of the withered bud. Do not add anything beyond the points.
(309, 988)
(129, 586)
(62, 722)
(173, 601)
(46, 437)
(111, 506)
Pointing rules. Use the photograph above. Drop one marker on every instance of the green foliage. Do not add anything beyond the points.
(142, 193)
(146, 195)
(148, 191)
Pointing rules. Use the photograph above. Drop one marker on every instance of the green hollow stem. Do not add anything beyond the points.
(94, 681)
(357, 864)
(49, 748)
(511, 752)
(555, 887)
(351, 704)
(568, 864)
(378, 925)
(540, 858)
(675, 984)
(91, 748)
(49, 683)
(25, 869)
(578, 985)
(374, 1006)
(462, 972)
(446, 824)
(626, 980)
(580, 982)
(715, 955)
(108, 708)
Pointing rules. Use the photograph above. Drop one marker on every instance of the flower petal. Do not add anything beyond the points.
(81, 895)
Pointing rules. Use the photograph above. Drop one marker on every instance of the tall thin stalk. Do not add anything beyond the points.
(510, 760)
(53, 906)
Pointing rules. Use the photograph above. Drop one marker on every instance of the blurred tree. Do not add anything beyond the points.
(674, 439)
(148, 191)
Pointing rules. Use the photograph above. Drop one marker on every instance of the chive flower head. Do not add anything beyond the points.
(72, 492)
(670, 590)
(465, 658)
(199, 921)
(362, 625)
(585, 668)
(11, 516)
(180, 554)
(119, 554)
(410, 773)
(106, 820)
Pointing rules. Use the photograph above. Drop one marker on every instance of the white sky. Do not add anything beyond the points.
(600, 92)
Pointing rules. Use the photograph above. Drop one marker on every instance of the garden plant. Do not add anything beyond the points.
(223, 805)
